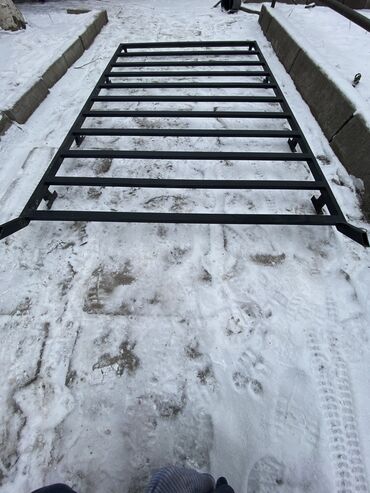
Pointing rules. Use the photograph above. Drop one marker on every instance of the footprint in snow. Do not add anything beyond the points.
(248, 372)
(267, 476)
(296, 432)
(296, 419)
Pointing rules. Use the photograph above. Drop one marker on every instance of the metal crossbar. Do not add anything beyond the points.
(188, 55)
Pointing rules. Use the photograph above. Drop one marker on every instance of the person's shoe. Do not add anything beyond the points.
(222, 486)
(221, 480)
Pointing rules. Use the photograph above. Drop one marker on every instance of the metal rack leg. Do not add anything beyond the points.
(49, 197)
(13, 226)
(356, 234)
(318, 203)
(79, 139)
(293, 143)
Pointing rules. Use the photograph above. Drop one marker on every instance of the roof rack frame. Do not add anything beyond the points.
(124, 57)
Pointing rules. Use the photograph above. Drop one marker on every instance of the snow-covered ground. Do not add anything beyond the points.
(243, 351)
(339, 45)
(26, 54)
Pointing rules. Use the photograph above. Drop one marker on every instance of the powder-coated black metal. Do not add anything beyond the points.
(244, 54)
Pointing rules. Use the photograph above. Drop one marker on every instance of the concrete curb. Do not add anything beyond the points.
(75, 51)
(347, 132)
(87, 38)
(329, 105)
(101, 20)
(33, 97)
(4, 123)
(55, 71)
(28, 102)
(285, 47)
(352, 146)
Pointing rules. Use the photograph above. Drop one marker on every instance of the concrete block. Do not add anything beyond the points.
(284, 45)
(328, 104)
(352, 146)
(100, 20)
(28, 102)
(356, 4)
(264, 19)
(4, 123)
(89, 35)
(77, 11)
(55, 72)
(94, 29)
(74, 52)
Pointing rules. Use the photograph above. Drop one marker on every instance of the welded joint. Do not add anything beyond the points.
(79, 139)
(318, 203)
(49, 197)
(292, 142)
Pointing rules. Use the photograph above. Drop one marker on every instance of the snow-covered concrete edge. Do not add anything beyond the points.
(29, 101)
(5, 123)
(339, 112)
(328, 69)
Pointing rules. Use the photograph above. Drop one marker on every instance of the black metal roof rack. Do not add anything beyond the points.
(248, 55)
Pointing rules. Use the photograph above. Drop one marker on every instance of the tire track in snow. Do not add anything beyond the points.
(349, 423)
(334, 388)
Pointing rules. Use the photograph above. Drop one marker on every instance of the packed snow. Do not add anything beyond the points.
(239, 350)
